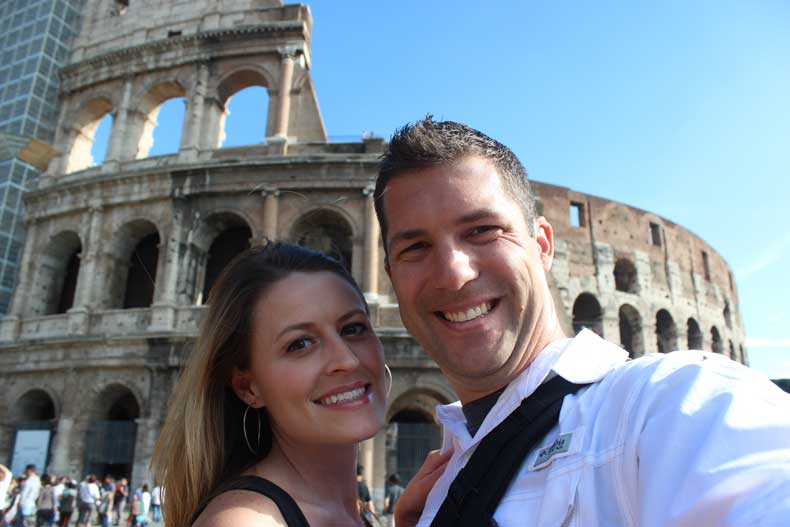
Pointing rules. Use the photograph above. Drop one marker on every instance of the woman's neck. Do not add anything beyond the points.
(320, 478)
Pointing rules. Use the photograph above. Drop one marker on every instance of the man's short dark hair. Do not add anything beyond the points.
(428, 143)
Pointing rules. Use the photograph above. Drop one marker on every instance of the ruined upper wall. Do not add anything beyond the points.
(109, 26)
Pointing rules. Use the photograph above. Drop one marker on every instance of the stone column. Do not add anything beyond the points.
(270, 209)
(60, 462)
(193, 121)
(370, 274)
(27, 269)
(118, 148)
(163, 309)
(212, 122)
(86, 281)
(284, 96)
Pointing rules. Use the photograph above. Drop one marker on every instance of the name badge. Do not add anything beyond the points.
(563, 446)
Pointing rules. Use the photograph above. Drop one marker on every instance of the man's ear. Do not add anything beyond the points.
(245, 388)
(544, 235)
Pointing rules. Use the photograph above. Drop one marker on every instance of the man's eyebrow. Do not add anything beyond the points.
(407, 235)
(477, 215)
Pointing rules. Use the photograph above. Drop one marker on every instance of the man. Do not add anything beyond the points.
(5, 481)
(681, 439)
(365, 501)
(119, 501)
(88, 496)
(26, 513)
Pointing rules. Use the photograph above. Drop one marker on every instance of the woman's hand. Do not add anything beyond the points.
(409, 507)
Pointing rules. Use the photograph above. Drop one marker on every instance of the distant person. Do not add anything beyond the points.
(88, 497)
(46, 502)
(120, 499)
(365, 502)
(66, 504)
(391, 496)
(105, 507)
(6, 477)
(26, 512)
(156, 504)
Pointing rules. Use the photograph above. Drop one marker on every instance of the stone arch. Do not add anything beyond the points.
(631, 330)
(733, 355)
(144, 122)
(219, 239)
(36, 404)
(240, 78)
(55, 275)
(694, 335)
(587, 313)
(412, 431)
(83, 132)
(135, 263)
(666, 332)
(112, 432)
(716, 344)
(625, 277)
(327, 231)
(727, 314)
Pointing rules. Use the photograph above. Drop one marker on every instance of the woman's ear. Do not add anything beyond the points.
(245, 389)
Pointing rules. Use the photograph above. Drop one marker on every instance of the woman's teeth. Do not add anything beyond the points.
(344, 396)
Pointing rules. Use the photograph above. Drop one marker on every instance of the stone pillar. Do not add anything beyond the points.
(270, 209)
(27, 269)
(118, 147)
(378, 483)
(284, 96)
(60, 462)
(370, 274)
(89, 272)
(163, 309)
(193, 121)
(211, 127)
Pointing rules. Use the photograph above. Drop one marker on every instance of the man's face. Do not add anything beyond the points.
(469, 278)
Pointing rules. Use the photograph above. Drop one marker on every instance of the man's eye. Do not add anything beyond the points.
(414, 247)
(485, 231)
(299, 344)
(354, 329)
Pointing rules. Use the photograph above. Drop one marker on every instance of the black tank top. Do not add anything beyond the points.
(288, 508)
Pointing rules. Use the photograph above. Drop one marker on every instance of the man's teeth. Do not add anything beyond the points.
(345, 396)
(469, 314)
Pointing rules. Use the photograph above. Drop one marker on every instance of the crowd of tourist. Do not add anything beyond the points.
(48, 500)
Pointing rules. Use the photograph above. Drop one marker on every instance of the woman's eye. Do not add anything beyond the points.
(299, 344)
(351, 330)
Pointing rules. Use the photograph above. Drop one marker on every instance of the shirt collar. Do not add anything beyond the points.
(586, 358)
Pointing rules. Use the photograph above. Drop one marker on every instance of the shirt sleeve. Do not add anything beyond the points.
(712, 446)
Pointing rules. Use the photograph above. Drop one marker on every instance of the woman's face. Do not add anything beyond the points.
(315, 363)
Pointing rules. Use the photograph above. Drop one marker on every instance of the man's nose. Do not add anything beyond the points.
(453, 269)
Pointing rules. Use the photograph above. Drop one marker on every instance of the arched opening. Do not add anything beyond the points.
(101, 140)
(742, 355)
(34, 417)
(230, 243)
(55, 278)
(243, 109)
(631, 331)
(716, 345)
(694, 334)
(733, 356)
(133, 267)
(411, 434)
(327, 232)
(727, 314)
(141, 280)
(625, 276)
(109, 445)
(165, 100)
(81, 154)
(666, 332)
(245, 117)
(587, 313)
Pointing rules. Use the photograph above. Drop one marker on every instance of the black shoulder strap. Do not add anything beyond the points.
(288, 508)
(478, 488)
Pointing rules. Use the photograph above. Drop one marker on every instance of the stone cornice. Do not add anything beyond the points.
(296, 28)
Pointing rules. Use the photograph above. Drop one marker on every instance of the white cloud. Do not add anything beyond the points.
(772, 253)
(756, 342)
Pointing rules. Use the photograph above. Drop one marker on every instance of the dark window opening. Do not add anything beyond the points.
(625, 276)
(173, 33)
(631, 331)
(694, 335)
(727, 314)
(576, 212)
(716, 345)
(655, 234)
(706, 265)
(666, 332)
(36, 405)
(225, 247)
(413, 435)
(141, 279)
(69, 288)
(587, 313)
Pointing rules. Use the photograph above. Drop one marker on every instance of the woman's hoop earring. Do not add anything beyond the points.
(388, 379)
(244, 428)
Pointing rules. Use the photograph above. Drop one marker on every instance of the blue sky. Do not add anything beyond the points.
(681, 108)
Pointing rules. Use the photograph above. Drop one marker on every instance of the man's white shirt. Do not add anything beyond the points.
(686, 438)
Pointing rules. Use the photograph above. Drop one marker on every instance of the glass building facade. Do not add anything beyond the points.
(35, 40)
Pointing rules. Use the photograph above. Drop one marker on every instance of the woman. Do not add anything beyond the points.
(286, 378)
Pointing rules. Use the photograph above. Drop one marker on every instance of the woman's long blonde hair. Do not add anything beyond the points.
(202, 442)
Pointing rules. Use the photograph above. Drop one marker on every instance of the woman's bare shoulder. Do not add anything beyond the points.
(241, 508)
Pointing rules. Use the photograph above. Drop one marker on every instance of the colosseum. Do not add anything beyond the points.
(119, 257)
